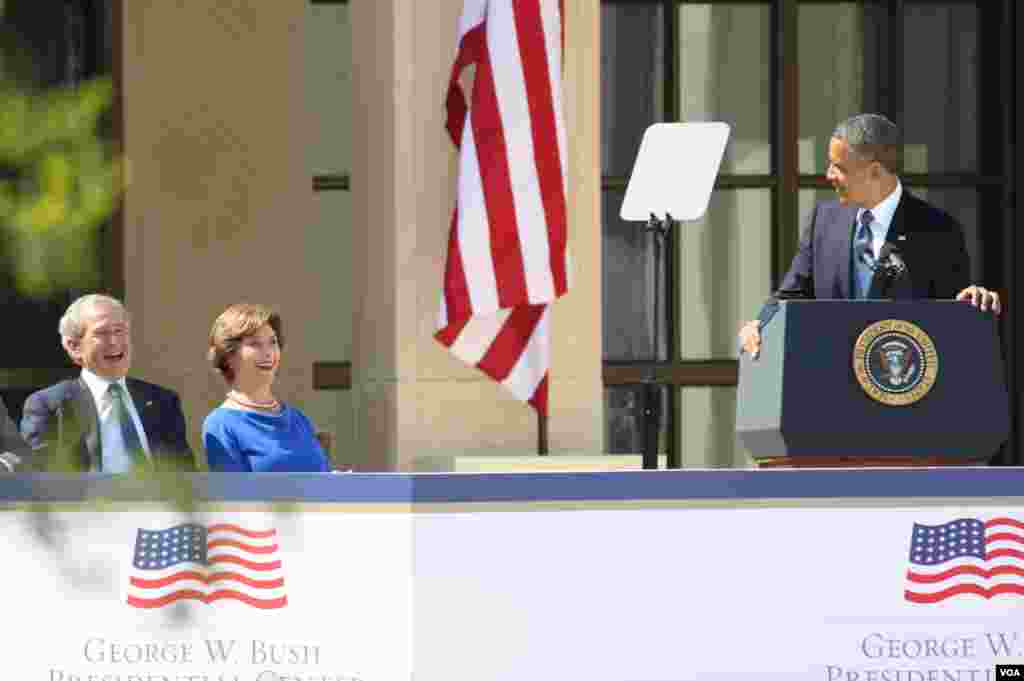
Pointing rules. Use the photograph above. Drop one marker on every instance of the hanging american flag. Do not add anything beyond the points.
(507, 258)
(966, 556)
(207, 564)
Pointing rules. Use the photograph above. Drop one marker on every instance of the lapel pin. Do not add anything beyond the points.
(901, 237)
(149, 404)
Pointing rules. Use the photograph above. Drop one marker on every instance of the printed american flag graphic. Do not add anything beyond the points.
(966, 557)
(207, 564)
(507, 258)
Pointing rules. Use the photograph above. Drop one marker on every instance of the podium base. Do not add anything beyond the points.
(866, 461)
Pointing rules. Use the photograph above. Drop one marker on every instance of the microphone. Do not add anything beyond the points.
(890, 265)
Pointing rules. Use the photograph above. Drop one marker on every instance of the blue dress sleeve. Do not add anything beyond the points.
(222, 452)
(313, 445)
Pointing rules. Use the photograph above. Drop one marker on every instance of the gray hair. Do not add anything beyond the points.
(72, 324)
(873, 137)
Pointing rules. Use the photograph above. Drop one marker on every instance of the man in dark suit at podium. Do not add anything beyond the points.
(104, 421)
(876, 239)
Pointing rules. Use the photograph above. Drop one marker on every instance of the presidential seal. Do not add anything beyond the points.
(895, 362)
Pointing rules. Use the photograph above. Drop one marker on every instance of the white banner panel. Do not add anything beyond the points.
(681, 594)
(599, 590)
(330, 602)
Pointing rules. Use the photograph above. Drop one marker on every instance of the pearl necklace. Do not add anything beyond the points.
(272, 405)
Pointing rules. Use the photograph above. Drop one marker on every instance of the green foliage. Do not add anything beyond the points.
(60, 183)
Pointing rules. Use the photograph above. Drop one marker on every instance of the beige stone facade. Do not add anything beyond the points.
(218, 129)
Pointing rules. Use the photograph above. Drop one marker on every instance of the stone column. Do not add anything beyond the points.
(410, 397)
(220, 195)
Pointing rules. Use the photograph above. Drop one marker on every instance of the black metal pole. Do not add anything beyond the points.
(542, 434)
(652, 423)
(658, 229)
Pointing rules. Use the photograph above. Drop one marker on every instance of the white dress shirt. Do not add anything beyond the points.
(111, 439)
(883, 214)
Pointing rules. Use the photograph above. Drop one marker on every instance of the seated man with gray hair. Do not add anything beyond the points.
(103, 421)
(848, 243)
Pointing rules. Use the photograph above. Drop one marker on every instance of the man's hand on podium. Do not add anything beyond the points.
(750, 338)
(980, 297)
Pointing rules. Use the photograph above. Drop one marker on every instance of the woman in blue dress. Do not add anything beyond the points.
(252, 431)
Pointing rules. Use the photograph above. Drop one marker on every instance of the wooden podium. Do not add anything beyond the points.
(874, 383)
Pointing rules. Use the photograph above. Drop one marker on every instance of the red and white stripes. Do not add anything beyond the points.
(507, 256)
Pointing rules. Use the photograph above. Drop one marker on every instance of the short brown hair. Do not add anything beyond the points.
(232, 326)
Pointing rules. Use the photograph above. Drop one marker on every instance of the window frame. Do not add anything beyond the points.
(994, 180)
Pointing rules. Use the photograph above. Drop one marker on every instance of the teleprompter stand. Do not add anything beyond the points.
(672, 179)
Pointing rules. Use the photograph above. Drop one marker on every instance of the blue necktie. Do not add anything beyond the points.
(863, 255)
(129, 433)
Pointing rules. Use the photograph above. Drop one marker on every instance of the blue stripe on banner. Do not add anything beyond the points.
(385, 488)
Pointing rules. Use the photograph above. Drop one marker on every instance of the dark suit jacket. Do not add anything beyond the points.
(930, 241)
(13, 449)
(61, 425)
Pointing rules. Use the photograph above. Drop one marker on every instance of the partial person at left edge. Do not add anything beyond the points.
(14, 452)
(103, 421)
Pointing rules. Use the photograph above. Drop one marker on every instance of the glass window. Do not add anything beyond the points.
(724, 271)
(625, 421)
(627, 290)
(831, 45)
(706, 417)
(329, 88)
(940, 53)
(846, 67)
(632, 80)
(724, 75)
(329, 252)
